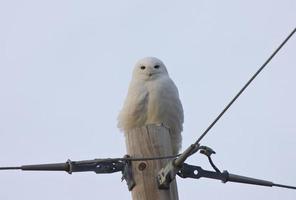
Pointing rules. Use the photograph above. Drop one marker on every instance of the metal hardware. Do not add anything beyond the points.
(207, 151)
(99, 166)
(196, 172)
(168, 173)
(127, 174)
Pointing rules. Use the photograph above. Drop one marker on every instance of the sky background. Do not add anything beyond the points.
(65, 67)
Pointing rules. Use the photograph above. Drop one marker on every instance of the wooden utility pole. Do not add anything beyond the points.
(150, 141)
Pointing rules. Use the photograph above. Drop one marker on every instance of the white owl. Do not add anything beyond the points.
(153, 99)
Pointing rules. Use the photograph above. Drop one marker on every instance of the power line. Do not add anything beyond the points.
(244, 87)
(194, 147)
(10, 168)
(284, 186)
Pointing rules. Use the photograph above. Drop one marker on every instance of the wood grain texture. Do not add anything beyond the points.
(150, 141)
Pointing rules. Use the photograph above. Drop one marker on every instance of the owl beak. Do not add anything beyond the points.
(150, 74)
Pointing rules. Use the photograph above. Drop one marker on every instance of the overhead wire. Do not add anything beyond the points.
(244, 87)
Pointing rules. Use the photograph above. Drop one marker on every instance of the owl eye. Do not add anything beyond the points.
(156, 66)
(142, 67)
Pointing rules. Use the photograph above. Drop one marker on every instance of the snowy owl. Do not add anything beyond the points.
(152, 98)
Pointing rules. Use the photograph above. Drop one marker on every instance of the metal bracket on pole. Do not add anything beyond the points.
(127, 174)
(167, 174)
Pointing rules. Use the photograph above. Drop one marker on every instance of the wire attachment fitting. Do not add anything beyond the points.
(127, 174)
(168, 173)
(207, 151)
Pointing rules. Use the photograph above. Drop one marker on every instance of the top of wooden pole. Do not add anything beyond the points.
(152, 140)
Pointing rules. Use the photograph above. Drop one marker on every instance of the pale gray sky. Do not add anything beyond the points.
(64, 71)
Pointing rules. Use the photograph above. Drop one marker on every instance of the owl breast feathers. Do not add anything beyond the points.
(152, 99)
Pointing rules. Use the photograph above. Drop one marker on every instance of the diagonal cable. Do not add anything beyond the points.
(244, 87)
(192, 149)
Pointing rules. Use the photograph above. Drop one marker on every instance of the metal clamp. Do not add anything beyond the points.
(167, 174)
(127, 174)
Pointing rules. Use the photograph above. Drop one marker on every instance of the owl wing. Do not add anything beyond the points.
(134, 111)
(172, 112)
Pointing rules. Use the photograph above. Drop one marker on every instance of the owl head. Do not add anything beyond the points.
(149, 68)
